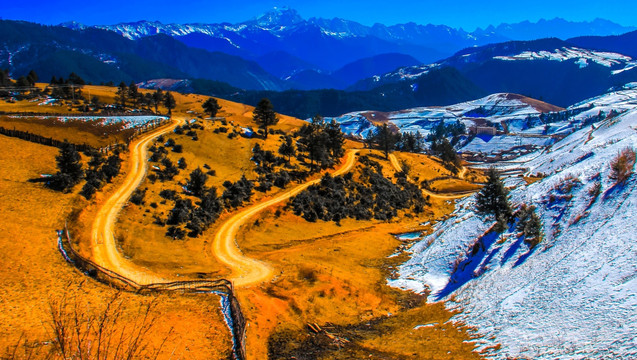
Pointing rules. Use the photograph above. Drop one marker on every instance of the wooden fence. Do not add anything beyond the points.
(111, 278)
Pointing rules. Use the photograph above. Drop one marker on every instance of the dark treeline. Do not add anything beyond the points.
(370, 196)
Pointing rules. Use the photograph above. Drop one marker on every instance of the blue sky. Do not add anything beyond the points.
(467, 14)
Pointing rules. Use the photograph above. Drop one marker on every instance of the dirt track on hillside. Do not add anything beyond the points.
(398, 167)
(105, 251)
(247, 271)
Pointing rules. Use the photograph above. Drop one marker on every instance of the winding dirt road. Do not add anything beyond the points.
(105, 251)
(247, 271)
(398, 167)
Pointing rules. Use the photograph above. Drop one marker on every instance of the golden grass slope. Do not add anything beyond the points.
(33, 272)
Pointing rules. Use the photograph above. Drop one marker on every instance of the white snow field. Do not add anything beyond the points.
(129, 122)
(574, 296)
(517, 113)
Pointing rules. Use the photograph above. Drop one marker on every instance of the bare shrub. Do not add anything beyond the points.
(621, 167)
(83, 333)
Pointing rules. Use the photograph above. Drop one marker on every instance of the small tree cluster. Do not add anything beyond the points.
(321, 142)
(530, 225)
(237, 193)
(130, 96)
(447, 130)
(385, 138)
(372, 196)
(101, 171)
(444, 150)
(621, 167)
(67, 89)
(411, 142)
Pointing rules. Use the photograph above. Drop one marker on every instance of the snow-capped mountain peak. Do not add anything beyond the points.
(278, 17)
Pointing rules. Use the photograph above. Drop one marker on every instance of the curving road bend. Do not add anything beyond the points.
(247, 271)
(105, 251)
(398, 167)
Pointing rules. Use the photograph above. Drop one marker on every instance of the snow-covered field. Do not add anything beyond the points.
(582, 57)
(574, 296)
(128, 121)
(511, 110)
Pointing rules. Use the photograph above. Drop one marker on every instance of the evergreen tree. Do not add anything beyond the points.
(121, 96)
(211, 107)
(69, 161)
(32, 77)
(443, 149)
(530, 225)
(369, 139)
(264, 115)
(169, 102)
(197, 183)
(287, 148)
(312, 140)
(386, 139)
(158, 97)
(69, 168)
(335, 139)
(111, 167)
(133, 93)
(181, 163)
(493, 197)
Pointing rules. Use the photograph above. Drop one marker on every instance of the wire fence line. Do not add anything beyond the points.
(111, 278)
(49, 141)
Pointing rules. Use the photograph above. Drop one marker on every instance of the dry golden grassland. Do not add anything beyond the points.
(326, 274)
(34, 274)
(335, 276)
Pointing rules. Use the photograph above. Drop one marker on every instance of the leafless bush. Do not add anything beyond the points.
(82, 333)
(621, 167)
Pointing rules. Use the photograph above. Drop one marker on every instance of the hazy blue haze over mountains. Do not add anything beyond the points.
(380, 66)
(330, 44)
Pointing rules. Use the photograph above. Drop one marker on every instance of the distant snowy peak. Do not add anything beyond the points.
(279, 17)
(583, 57)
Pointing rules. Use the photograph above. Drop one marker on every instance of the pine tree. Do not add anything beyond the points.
(493, 197)
(287, 148)
(530, 225)
(211, 107)
(385, 139)
(133, 93)
(69, 168)
(181, 163)
(69, 162)
(264, 115)
(158, 96)
(335, 139)
(169, 102)
(197, 182)
(121, 96)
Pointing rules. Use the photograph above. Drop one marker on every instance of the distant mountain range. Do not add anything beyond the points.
(331, 66)
(552, 70)
(327, 45)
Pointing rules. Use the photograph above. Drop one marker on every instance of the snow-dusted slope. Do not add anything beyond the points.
(495, 108)
(574, 296)
(583, 57)
(518, 113)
